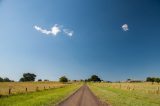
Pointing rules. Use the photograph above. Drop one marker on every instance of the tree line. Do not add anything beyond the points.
(94, 78)
(31, 77)
(153, 79)
(5, 79)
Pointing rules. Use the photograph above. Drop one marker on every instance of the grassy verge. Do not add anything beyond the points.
(41, 98)
(120, 97)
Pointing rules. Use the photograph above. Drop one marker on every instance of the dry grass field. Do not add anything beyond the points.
(23, 87)
(145, 87)
(42, 97)
(128, 94)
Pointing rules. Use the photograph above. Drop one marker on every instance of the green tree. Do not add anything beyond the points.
(46, 80)
(151, 79)
(1, 79)
(22, 79)
(28, 77)
(63, 79)
(39, 80)
(148, 79)
(6, 80)
(94, 78)
(157, 80)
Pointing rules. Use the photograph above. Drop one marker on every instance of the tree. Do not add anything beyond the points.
(151, 79)
(39, 80)
(22, 79)
(128, 80)
(148, 79)
(28, 77)
(94, 78)
(1, 79)
(81, 80)
(6, 80)
(46, 80)
(157, 80)
(63, 79)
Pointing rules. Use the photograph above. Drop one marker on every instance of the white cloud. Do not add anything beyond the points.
(42, 30)
(125, 27)
(55, 30)
(68, 32)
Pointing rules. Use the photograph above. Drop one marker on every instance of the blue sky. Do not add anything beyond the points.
(88, 38)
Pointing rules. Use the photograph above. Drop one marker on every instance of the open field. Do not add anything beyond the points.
(52, 93)
(40, 98)
(127, 94)
(23, 87)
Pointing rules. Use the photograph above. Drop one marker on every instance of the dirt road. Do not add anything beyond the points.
(83, 97)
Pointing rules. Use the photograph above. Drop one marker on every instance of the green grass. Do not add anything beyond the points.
(41, 98)
(120, 97)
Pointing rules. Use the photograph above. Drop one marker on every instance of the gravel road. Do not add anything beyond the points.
(83, 97)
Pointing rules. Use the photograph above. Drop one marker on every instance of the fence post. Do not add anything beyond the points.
(158, 90)
(37, 88)
(44, 87)
(26, 89)
(133, 87)
(9, 91)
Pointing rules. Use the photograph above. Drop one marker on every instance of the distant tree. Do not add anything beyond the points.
(86, 80)
(63, 79)
(94, 78)
(46, 80)
(151, 79)
(148, 79)
(6, 80)
(28, 77)
(157, 80)
(81, 80)
(39, 80)
(74, 80)
(22, 79)
(128, 80)
(1, 79)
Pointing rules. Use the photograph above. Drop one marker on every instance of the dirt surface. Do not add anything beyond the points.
(83, 97)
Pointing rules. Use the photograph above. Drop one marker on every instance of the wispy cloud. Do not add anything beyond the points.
(42, 30)
(68, 32)
(125, 27)
(55, 30)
